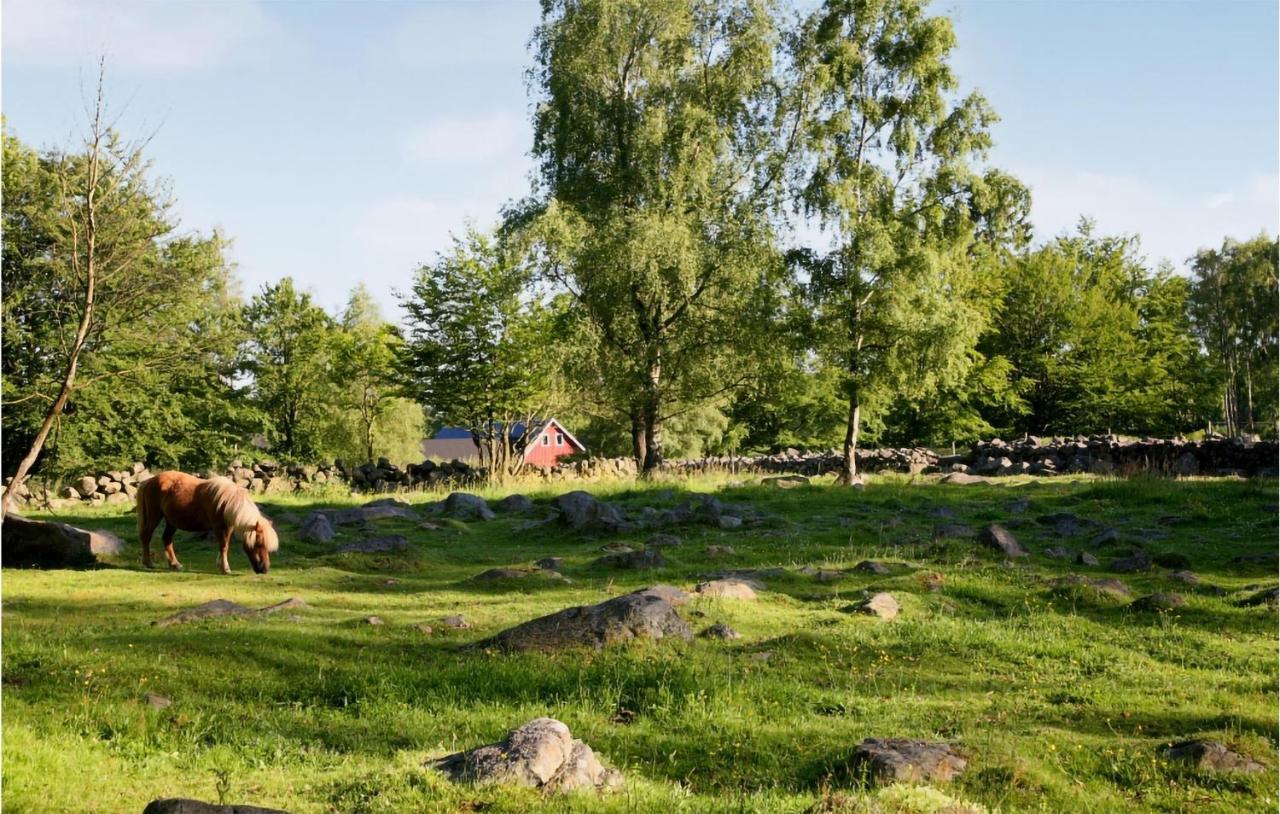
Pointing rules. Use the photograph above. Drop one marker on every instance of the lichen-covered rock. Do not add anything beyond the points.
(541, 754)
(720, 631)
(901, 760)
(642, 615)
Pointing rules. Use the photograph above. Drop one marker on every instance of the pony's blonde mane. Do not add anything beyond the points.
(239, 511)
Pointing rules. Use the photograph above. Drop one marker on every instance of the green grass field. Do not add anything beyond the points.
(1061, 700)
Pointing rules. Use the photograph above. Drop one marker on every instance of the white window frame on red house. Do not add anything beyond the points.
(546, 440)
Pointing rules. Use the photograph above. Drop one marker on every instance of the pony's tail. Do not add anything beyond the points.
(142, 506)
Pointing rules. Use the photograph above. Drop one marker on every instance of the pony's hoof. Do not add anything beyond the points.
(148, 565)
(175, 566)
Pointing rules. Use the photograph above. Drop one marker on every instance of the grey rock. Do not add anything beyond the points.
(872, 567)
(456, 622)
(1105, 537)
(541, 754)
(179, 805)
(1059, 553)
(211, 609)
(465, 506)
(1211, 756)
(726, 589)
(582, 512)
(1001, 539)
(963, 479)
(551, 563)
(901, 760)
(1131, 565)
(720, 631)
(719, 551)
(882, 605)
(1085, 558)
(1018, 506)
(514, 504)
(951, 530)
(157, 701)
(502, 574)
(649, 558)
(1185, 577)
(728, 521)
(316, 528)
(26, 543)
(785, 481)
(1159, 602)
(88, 485)
(1104, 587)
(631, 616)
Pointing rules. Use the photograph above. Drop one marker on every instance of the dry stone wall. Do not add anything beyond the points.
(1098, 454)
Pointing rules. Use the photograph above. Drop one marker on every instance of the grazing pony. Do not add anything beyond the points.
(189, 503)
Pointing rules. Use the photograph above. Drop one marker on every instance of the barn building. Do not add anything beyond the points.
(548, 442)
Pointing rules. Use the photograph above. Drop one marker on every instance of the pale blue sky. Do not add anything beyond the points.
(342, 141)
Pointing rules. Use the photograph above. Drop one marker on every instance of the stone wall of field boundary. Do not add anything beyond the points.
(1101, 455)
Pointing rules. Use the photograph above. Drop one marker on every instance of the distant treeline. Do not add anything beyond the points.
(654, 291)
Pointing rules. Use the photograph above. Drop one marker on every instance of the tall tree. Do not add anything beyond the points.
(479, 353)
(364, 368)
(91, 264)
(289, 354)
(1234, 309)
(896, 303)
(655, 134)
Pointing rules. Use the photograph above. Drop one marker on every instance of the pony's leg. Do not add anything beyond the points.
(224, 543)
(169, 531)
(146, 528)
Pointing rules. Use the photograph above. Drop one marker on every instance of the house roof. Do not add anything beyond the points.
(460, 435)
(448, 449)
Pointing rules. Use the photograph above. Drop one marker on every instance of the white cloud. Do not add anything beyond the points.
(146, 35)
(482, 137)
(1172, 223)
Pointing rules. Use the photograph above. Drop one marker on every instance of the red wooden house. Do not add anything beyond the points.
(548, 442)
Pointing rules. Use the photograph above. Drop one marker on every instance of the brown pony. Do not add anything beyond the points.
(191, 504)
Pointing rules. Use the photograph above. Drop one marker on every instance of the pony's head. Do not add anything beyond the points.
(259, 543)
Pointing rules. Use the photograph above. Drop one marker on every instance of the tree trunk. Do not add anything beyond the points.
(638, 445)
(87, 308)
(849, 462)
(652, 419)
(1248, 386)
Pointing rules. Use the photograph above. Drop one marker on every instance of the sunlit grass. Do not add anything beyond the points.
(1060, 700)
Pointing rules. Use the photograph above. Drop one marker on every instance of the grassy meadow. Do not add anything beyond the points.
(1060, 699)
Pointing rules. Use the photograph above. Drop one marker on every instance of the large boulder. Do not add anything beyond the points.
(649, 558)
(542, 754)
(642, 615)
(514, 504)
(582, 511)
(177, 805)
(375, 545)
(465, 506)
(27, 543)
(903, 760)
